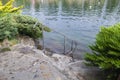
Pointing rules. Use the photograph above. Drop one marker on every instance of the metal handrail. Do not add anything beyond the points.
(73, 42)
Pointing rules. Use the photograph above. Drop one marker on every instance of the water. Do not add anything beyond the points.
(80, 20)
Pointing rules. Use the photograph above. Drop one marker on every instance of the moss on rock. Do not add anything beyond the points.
(5, 49)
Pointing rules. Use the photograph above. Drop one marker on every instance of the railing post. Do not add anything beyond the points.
(64, 44)
(43, 42)
(72, 46)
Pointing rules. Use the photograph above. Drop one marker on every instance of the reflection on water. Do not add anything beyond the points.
(78, 19)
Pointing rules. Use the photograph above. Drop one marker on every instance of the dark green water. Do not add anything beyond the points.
(78, 19)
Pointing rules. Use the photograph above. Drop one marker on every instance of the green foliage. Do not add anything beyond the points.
(5, 49)
(25, 26)
(106, 51)
(9, 8)
(7, 28)
(14, 25)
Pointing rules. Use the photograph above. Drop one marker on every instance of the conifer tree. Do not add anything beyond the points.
(106, 51)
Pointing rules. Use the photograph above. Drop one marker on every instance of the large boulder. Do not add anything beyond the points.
(76, 70)
(25, 62)
(6, 44)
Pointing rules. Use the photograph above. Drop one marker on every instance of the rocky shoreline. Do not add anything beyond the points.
(25, 62)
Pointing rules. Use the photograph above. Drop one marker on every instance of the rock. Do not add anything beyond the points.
(60, 61)
(2, 77)
(26, 50)
(80, 71)
(27, 63)
(26, 40)
(76, 70)
(7, 44)
(48, 53)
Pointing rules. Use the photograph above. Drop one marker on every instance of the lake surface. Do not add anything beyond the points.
(79, 20)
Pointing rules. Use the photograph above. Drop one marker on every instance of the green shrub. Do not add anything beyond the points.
(106, 52)
(7, 28)
(14, 25)
(9, 8)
